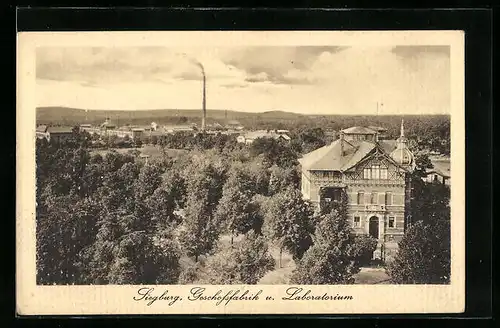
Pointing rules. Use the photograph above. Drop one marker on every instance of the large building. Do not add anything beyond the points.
(372, 173)
(249, 137)
(54, 133)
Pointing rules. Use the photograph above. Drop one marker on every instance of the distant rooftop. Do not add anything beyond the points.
(41, 128)
(261, 134)
(358, 130)
(377, 128)
(60, 129)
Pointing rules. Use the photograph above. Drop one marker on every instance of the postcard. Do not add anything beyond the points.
(240, 172)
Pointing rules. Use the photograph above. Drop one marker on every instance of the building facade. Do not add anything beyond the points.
(373, 174)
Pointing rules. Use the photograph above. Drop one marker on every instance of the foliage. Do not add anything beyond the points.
(365, 246)
(97, 218)
(430, 201)
(244, 263)
(200, 229)
(281, 179)
(289, 221)
(334, 257)
(275, 152)
(307, 140)
(423, 256)
(237, 213)
(422, 163)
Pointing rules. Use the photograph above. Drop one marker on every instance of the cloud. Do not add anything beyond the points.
(102, 65)
(276, 62)
(105, 66)
(302, 79)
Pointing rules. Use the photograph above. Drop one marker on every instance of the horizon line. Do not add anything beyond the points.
(240, 111)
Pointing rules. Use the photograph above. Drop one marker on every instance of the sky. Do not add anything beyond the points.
(308, 79)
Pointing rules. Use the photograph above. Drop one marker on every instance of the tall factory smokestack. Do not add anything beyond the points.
(204, 101)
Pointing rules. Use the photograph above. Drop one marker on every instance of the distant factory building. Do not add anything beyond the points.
(41, 131)
(59, 133)
(107, 126)
(250, 137)
(234, 125)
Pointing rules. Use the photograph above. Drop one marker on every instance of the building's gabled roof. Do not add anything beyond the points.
(358, 130)
(377, 128)
(41, 128)
(441, 167)
(330, 158)
(60, 129)
(388, 146)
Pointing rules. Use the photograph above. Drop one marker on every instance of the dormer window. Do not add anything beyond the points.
(375, 172)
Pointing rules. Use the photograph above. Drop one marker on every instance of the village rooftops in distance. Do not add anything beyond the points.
(250, 137)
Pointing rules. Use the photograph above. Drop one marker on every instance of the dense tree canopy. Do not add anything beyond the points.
(334, 257)
(289, 221)
(424, 255)
(109, 217)
(244, 263)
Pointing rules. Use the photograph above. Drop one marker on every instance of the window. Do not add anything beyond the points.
(357, 222)
(376, 172)
(392, 222)
(361, 197)
(388, 198)
(374, 198)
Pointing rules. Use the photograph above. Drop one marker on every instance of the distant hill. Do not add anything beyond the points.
(71, 116)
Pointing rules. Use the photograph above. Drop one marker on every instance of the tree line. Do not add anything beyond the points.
(211, 215)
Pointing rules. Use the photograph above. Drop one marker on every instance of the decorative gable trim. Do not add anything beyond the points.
(376, 153)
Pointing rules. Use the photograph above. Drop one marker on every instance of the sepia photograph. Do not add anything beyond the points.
(258, 164)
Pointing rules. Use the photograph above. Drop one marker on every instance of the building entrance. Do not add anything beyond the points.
(373, 228)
